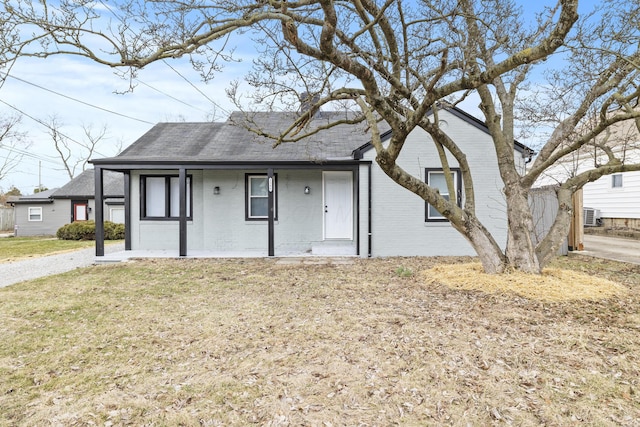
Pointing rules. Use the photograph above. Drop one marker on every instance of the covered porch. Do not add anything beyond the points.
(299, 200)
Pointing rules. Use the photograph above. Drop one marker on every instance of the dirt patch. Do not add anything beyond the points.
(554, 284)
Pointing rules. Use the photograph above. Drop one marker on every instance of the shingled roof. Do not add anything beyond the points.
(36, 198)
(83, 186)
(233, 141)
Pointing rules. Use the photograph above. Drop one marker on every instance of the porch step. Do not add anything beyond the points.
(334, 248)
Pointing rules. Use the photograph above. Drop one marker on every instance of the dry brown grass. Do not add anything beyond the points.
(554, 284)
(238, 342)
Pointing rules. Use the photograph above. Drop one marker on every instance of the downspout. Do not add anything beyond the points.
(182, 198)
(369, 243)
(357, 193)
(271, 213)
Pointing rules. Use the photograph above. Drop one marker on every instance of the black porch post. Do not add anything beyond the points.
(271, 214)
(182, 178)
(98, 201)
(356, 191)
(127, 210)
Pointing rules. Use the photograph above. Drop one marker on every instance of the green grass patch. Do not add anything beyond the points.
(12, 248)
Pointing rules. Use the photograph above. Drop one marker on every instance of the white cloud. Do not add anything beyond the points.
(97, 85)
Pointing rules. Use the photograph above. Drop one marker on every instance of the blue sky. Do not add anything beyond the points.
(161, 95)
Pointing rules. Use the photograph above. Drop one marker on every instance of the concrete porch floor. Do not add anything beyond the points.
(283, 259)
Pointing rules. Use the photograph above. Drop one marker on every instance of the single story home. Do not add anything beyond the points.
(45, 212)
(222, 190)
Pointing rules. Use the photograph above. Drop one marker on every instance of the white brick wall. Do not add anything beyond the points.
(398, 226)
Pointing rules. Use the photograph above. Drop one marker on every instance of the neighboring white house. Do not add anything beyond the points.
(613, 199)
(616, 198)
(220, 189)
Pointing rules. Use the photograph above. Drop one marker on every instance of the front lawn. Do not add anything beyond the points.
(13, 248)
(256, 342)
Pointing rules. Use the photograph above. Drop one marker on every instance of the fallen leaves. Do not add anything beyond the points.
(242, 342)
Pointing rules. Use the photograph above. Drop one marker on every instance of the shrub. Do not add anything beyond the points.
(86, 230)
(113, 231)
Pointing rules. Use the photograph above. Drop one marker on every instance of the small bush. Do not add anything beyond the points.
(86, 230)
(113, 231)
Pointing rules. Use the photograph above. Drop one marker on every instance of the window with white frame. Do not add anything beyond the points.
(160, 197)
(435, 178)
(616, 180)
(257, 197)
(35, 213)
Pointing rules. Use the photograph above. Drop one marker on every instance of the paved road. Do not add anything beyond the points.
(625, 250)
(18, 271)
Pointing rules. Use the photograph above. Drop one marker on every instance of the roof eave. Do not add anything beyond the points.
(130, 163)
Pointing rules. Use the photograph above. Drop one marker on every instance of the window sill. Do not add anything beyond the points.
(189, 220)
(437, 224)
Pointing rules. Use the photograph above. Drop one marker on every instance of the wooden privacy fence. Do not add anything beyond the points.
(544, 207)
(6, 219)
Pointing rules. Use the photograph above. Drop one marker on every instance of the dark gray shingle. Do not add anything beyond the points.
(83, 186)
(232, 141)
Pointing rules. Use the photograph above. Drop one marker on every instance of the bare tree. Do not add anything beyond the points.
(393, 61)
(75, 155)
(12, 144)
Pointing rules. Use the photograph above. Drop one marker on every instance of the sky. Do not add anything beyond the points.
(79, 92)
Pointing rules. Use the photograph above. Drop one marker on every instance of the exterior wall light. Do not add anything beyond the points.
(216, 190)
(307, 190)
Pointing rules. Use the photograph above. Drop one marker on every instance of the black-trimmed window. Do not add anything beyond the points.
(160, 197)
(435, 178)
(257, 197)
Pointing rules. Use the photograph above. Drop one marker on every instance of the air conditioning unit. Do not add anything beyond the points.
(592, 217)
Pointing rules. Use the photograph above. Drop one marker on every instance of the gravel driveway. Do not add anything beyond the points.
(18, 271)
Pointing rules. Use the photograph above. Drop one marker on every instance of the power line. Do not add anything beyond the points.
(27, 153)
(119, 17)
(78, 100)
(170, 96)
(48, 126)
(215, 104)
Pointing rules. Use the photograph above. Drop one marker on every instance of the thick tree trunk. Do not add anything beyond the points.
(520, 253)
(521, 249)
(491, 256)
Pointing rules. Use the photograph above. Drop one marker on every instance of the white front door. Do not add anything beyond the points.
(338, 204)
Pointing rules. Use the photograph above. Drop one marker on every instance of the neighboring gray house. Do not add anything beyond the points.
(45, 212)
(193, 188)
